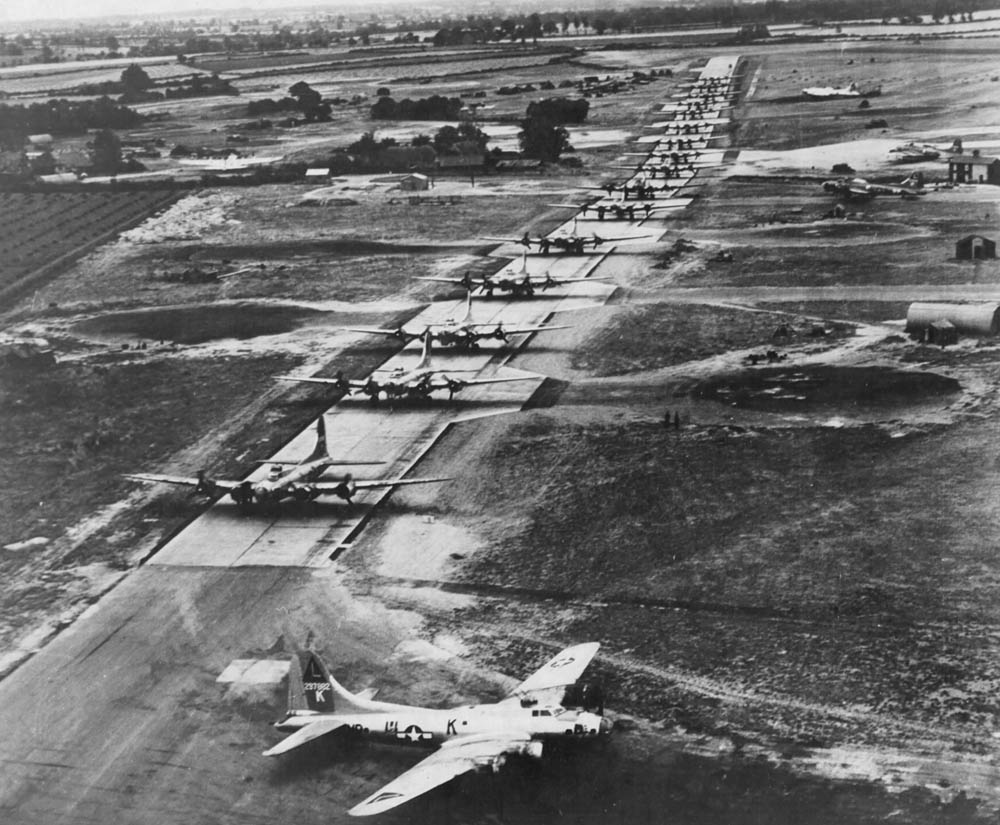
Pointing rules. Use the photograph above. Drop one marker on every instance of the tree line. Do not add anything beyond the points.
(62, 117)
(482, 28)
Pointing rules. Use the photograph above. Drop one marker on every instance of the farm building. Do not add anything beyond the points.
(415, 182)
(974, 168)
(317, 173)
(975, 248)
(967, 319)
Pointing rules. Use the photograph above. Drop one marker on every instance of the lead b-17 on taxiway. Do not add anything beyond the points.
(548, 705)
(302, 482)
(416, 383)
(461, 333)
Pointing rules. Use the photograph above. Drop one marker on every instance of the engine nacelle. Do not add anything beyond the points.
(305, 492)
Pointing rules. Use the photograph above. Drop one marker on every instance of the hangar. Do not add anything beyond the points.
(967, 319)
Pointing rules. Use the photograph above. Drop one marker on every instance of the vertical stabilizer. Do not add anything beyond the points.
(425, 358)
(316, 688)
(325, 694)
(320, 451)
(524, 262)
(468, 308)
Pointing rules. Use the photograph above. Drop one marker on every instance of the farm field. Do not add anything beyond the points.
(789, 562)
(48, 229)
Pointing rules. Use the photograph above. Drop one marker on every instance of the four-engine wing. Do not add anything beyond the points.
(370, 484)
(187, 481)
(453, 759)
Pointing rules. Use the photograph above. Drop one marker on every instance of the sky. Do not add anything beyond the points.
(17, 10)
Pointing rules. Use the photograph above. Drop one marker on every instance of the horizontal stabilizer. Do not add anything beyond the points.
(321, 727)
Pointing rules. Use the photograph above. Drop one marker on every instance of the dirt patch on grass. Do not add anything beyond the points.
(198, 324)
(659, 335)
(844, 388)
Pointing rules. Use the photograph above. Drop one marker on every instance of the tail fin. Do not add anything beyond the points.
(468, 308)
(524, 261)
(320, 450)
(320, 691)
(425, 358)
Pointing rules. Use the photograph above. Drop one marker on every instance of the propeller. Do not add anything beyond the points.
(346, 489)
(454, 385)
(549, 281)
(205, 485)
(499, 333)
(371, 389)
(342, 383)
(243, 494)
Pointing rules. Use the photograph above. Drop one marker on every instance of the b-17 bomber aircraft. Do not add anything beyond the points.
(416, 383)
(461, 333)
(301, 482)
(572, 242)
(547, 705)
(521, 285)
(859, 188)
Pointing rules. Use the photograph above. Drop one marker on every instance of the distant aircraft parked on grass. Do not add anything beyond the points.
(230, 163)
(859, 188)
(415, 383)
(918, 152)
(302, 482)
(548, 705)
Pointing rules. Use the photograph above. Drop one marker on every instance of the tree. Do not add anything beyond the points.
(107, 152)
(600, 26)
(111, 43)
(543, 139)
(135, 79)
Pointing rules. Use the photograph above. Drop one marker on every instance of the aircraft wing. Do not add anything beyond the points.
(486, 330)
(441, 280)
(454, 758)
(354, 384)
(565, 668)
(395, 333)
(332, 486)
(322, 726)
(186, 481)
(588, 279)
(471, 382)
(504, 240)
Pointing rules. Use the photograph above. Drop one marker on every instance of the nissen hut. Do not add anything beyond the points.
(967, 319)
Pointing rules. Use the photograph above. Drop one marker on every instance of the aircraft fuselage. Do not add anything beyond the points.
(402, 724)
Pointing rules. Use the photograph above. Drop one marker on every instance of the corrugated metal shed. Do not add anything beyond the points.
(414, 182)
(942, 333)
(968, 319)
(975, 247)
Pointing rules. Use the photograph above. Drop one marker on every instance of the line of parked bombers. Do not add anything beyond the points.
(550, 705)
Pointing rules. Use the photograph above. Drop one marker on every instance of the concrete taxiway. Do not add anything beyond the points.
(120, 718)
